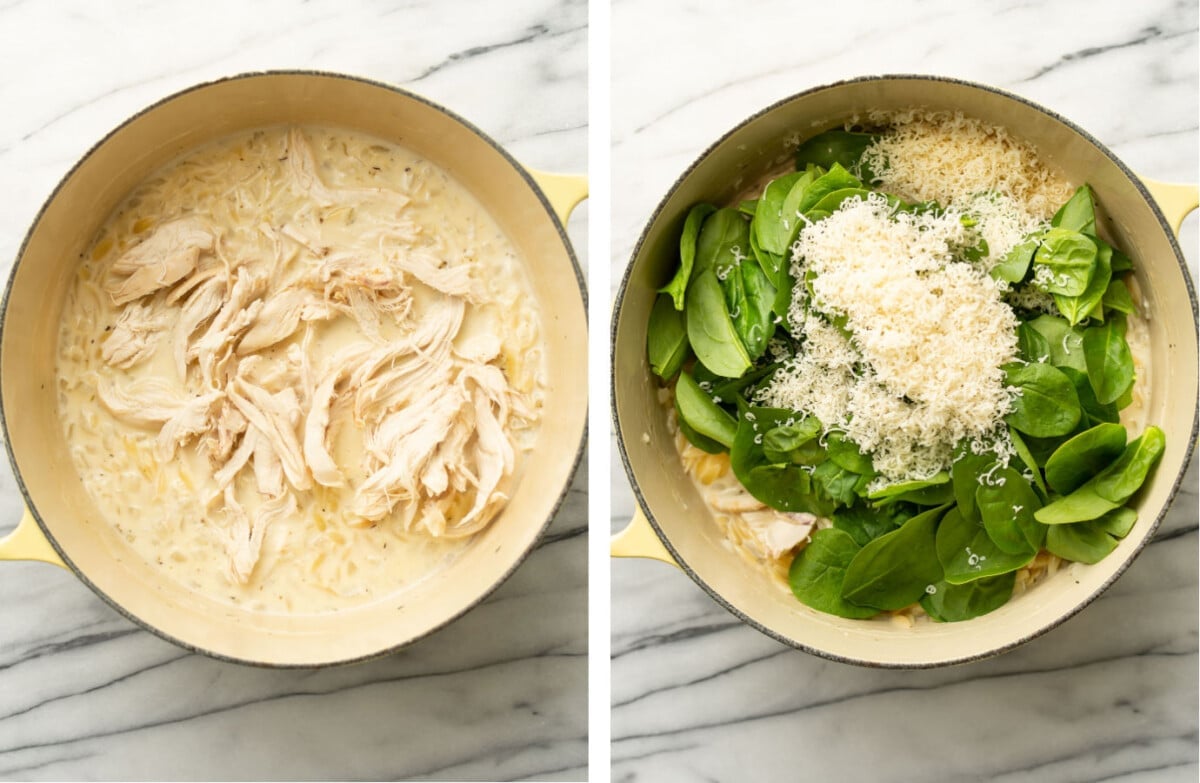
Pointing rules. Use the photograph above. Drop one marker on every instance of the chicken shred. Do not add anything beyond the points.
(433, 408)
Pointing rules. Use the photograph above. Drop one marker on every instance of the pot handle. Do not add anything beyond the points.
(27, 542)
(1175, 200)
(563, 191)
(639, 540)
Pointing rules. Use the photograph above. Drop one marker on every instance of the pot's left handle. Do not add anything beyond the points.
(563, 191)
(639, 540)
(27, 542)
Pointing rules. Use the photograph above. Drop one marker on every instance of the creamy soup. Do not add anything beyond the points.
(298, 369)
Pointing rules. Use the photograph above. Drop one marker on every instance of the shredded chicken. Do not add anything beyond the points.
(158, 261)
(134, 337)
(433, 413)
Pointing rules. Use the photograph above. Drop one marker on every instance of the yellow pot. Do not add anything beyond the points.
(63, 526)
(674, 524)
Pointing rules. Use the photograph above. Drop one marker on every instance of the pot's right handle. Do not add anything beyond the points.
(563, 191)
(1175, 200)
(639, 540)
(27, 542)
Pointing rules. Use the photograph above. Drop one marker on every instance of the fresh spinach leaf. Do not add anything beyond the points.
(846, 453)
(1032, 344)
(954, 603)
(771, 226)
(840, 147)
(1069, 259)
(1090, 301)
(967, 552)
(1007, 504)
(723, 237)
(835, 483)
(666, 339)
(1117, 522)
(753, 319)
(794, 444)
(893, 571)
(832, 201)
(710, 329)
(1028, 460)
(1015, 264)
(1120, 261)
(1083, 456)
(1065, 341)
(965, 471)
(1117, 298)
(1046, 404)
(904, 487)
(1082, 542)
(818, 571)
(1093, 412)
(837, 178)
(781, 485)
(1125, 476)
(865, 524)
(1078, 214)
(677, 288)
(1109, 360)
(1081, 505)
(748, 207)
(701, 442)
(701, 413)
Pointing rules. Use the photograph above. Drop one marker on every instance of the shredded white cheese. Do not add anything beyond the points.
(922, 371)
(949, 158)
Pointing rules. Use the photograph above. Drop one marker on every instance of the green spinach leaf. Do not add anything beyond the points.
(710, 329)
(1083, 456)
(1065, 341)
(893, 571)
(865, 524)
(967, 552)
(753, 317)
(836, 147)
(954, 603)
(1109, 360)
(1078, 214)
(1090, 302)
(818, 571)
(1069, 259)
(701, 413)
(1015, 264)
(1046, 404)
(1117, 298)
(1082, 542)
(677, 288)
(666, 338)
(1007, 504)
(1125, 476)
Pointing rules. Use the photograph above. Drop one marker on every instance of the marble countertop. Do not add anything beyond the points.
(499, 695)
(1111, 694)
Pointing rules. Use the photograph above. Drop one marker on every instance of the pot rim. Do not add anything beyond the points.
(616, 413)
(535, 541)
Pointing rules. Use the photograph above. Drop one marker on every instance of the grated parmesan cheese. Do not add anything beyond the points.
(949, 158)
(922, 371)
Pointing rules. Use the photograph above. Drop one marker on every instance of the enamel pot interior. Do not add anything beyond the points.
(675, 508)
(28, 347)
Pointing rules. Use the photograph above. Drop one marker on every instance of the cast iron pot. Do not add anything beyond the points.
(673, 523)
(61, 525)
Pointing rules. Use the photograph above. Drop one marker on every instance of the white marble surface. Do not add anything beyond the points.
(500, 694)
(1112, 694)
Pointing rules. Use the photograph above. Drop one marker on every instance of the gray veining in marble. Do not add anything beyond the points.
(499, 695)
(1110, 695)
